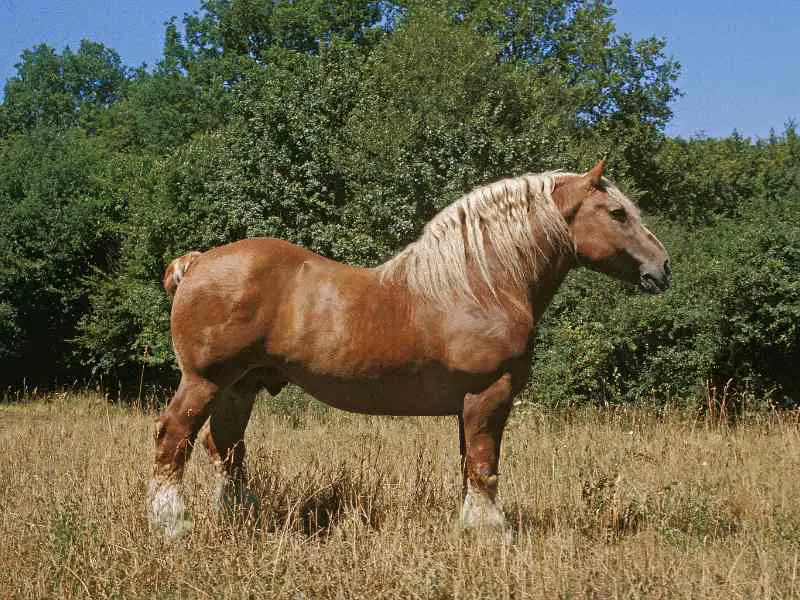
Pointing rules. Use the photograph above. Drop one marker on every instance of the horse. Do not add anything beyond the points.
(445, 327)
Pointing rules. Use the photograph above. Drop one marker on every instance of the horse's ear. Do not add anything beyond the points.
(570, 193)
(595, 174)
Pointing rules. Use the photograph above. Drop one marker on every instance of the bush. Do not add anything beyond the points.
(731, 318)
(59, 220)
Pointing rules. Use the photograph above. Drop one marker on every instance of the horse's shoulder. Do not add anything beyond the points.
(480, 340)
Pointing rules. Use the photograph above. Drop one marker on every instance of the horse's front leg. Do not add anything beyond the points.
(483, 419)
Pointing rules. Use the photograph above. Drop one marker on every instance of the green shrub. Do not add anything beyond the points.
(59, 220)
(731, 318)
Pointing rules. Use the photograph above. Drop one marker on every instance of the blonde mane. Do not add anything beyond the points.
(516, 216)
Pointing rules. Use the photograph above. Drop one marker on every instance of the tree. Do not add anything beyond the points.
(62, 90)
(251, 28)
(59, 220)
(617, 90)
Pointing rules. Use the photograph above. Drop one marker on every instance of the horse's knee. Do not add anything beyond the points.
(484, 418)
(189, 406)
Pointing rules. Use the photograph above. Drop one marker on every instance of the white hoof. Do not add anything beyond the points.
(166, 509)
(481, 512)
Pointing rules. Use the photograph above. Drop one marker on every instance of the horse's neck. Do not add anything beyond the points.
(547, 281)
(552, 266)
(553, 262)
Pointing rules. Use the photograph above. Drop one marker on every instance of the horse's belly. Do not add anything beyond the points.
(419, 394)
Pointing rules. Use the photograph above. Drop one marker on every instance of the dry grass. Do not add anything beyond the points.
(603, 505)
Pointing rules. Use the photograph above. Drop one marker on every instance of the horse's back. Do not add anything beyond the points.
(267, 300)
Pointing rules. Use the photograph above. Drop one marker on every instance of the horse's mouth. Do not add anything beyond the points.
(649, 284)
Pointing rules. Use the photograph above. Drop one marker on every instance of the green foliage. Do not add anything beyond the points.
(344, 127)
(59, 218)
(126, 329)
(701, 179)
(254, 27)
(615, 92)
(761, 315)
(159, 112)
(61, 90)
(338, 151)
(9, 332)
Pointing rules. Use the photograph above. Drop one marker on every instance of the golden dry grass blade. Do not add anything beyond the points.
(604, 505)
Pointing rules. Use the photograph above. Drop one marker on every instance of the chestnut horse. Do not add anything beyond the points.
(446, 327)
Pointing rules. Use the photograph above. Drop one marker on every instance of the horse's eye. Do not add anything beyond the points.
(619, 214)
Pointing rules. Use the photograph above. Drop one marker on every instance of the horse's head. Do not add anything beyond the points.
(608, 233)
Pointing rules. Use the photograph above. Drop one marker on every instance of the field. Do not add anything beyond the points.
(603, 504)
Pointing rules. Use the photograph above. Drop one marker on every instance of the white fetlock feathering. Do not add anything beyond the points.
(167, 511)
(481, 512)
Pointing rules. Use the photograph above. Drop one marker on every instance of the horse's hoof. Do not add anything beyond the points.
(487, 529)
(174, 528)
(480, 514)
(485, 521)
(167, 511)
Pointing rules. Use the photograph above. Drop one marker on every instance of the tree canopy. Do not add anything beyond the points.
(344, 126)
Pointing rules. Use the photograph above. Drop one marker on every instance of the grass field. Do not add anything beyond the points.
(603, 504)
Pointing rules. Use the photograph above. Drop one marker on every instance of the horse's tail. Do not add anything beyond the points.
(176, 270)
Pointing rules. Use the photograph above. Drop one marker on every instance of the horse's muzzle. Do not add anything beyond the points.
(656, 280)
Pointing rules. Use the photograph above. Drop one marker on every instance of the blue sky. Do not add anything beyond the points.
(740, 58)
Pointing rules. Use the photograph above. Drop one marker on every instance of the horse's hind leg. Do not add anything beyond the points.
(223, 437)
(484, 418)
(176, 430)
